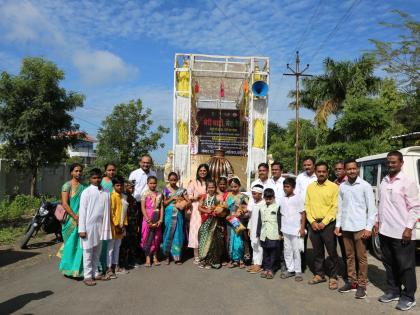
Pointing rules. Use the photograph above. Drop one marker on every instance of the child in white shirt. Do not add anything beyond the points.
(293, 220)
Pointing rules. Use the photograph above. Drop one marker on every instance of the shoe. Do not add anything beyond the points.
(348, 287)
(122, 271)
(389, 297)
(196, 260)
(405, 304)
(360, 293)
(287, 274)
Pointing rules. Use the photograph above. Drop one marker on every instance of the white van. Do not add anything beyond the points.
(373, 169)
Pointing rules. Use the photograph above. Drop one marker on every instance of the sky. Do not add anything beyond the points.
(115, 51)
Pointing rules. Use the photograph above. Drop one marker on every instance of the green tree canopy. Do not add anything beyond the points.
(326, 93)
(126, 134)
(35, 124)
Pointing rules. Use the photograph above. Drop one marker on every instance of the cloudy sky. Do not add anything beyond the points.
(114, 51)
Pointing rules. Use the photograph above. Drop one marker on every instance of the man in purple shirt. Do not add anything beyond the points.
(399, 210)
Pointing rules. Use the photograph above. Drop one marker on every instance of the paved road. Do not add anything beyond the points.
(31, 284)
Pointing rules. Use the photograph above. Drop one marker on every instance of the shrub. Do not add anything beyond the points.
(21, 205)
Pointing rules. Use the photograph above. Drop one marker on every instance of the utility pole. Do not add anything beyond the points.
(297, 75)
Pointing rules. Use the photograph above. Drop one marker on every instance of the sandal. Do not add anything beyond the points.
(89, 282)
(333, 284)
(232, 265)
(102, 278)
(263, 274)
(196, 261)
(168, 261)
(242, 265)
(317, 279)
(178, 262)
(110, 275)
(270, 275)
(148, 265)
(156, 263)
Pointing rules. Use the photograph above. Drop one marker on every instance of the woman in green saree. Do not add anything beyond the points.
(71, 263)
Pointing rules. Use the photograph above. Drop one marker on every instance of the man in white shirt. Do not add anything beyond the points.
(263, 179)
(356, 215)
(94, 226)
(276, 170)
(140, 175)
(303, 180)
(139, 178)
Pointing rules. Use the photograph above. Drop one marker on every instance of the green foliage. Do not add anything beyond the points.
(326, 93)
(126, 134)
(16, 208)
(34, 119)
(9, 234)
(401, 58)
(362, 118)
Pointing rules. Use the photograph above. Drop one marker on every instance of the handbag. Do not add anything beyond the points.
(60, 213)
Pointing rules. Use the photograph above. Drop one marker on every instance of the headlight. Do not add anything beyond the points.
(43, 212)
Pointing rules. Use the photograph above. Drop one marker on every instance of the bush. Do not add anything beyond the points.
(19, 206)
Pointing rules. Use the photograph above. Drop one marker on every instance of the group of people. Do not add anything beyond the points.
(113, 224)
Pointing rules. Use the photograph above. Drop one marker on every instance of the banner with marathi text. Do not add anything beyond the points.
(220, 127)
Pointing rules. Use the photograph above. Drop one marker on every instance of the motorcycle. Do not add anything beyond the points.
(45, 219)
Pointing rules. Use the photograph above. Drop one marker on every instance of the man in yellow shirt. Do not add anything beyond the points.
(321, 208)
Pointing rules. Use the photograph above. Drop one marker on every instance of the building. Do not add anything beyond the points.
(84, 149)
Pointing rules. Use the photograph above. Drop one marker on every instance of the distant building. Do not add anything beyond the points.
(83, 149)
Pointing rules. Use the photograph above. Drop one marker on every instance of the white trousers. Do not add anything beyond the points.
(113, 252)
(91, 261)
(292, 253)
(257, 253)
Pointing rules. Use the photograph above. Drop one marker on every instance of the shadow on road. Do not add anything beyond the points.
(16, 303)
(42, 244)
(10, 256)
(377, 276)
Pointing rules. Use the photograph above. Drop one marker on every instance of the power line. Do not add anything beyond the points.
(330, 35)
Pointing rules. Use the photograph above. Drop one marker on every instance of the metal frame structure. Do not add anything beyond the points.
(223, 68)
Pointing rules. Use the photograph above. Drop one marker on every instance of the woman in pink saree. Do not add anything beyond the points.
(196, 191)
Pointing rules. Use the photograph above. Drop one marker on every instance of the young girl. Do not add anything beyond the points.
(211, 233)
(235, 203)
(110, 171)
(175, 200)
(129, 243)
(222, 186)
(151, 231)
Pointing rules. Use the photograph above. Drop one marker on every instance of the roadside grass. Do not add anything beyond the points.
(11, 234)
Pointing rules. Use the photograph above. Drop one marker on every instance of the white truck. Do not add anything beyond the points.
(373, 169)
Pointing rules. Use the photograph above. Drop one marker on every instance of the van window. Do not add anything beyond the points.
(370, 174)
(418, 169)
(384, 170)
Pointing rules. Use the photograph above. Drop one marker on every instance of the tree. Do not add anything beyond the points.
(326, 93)
(274, 129)
(401, 58)
(283, 145)
(35, 124)
(126, 134)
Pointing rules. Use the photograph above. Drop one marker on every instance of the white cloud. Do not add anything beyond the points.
(99, 67)
(29, 24)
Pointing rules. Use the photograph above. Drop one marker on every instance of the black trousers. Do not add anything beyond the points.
(320, 239)
(270, 254)
(400, 265)
(343, 257)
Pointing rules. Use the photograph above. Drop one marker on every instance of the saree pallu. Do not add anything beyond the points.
(71, 253)
(173, 236)
(236, 242)
(211, 245)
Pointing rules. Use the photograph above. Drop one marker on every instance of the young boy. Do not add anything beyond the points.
(254, 209)
(129, 243)
(119, 206)
(94, 225)
(268, 232)
(293, 221)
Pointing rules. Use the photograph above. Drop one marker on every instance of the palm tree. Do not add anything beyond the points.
(326, 93)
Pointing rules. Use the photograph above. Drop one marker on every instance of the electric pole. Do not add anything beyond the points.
(297, 75)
